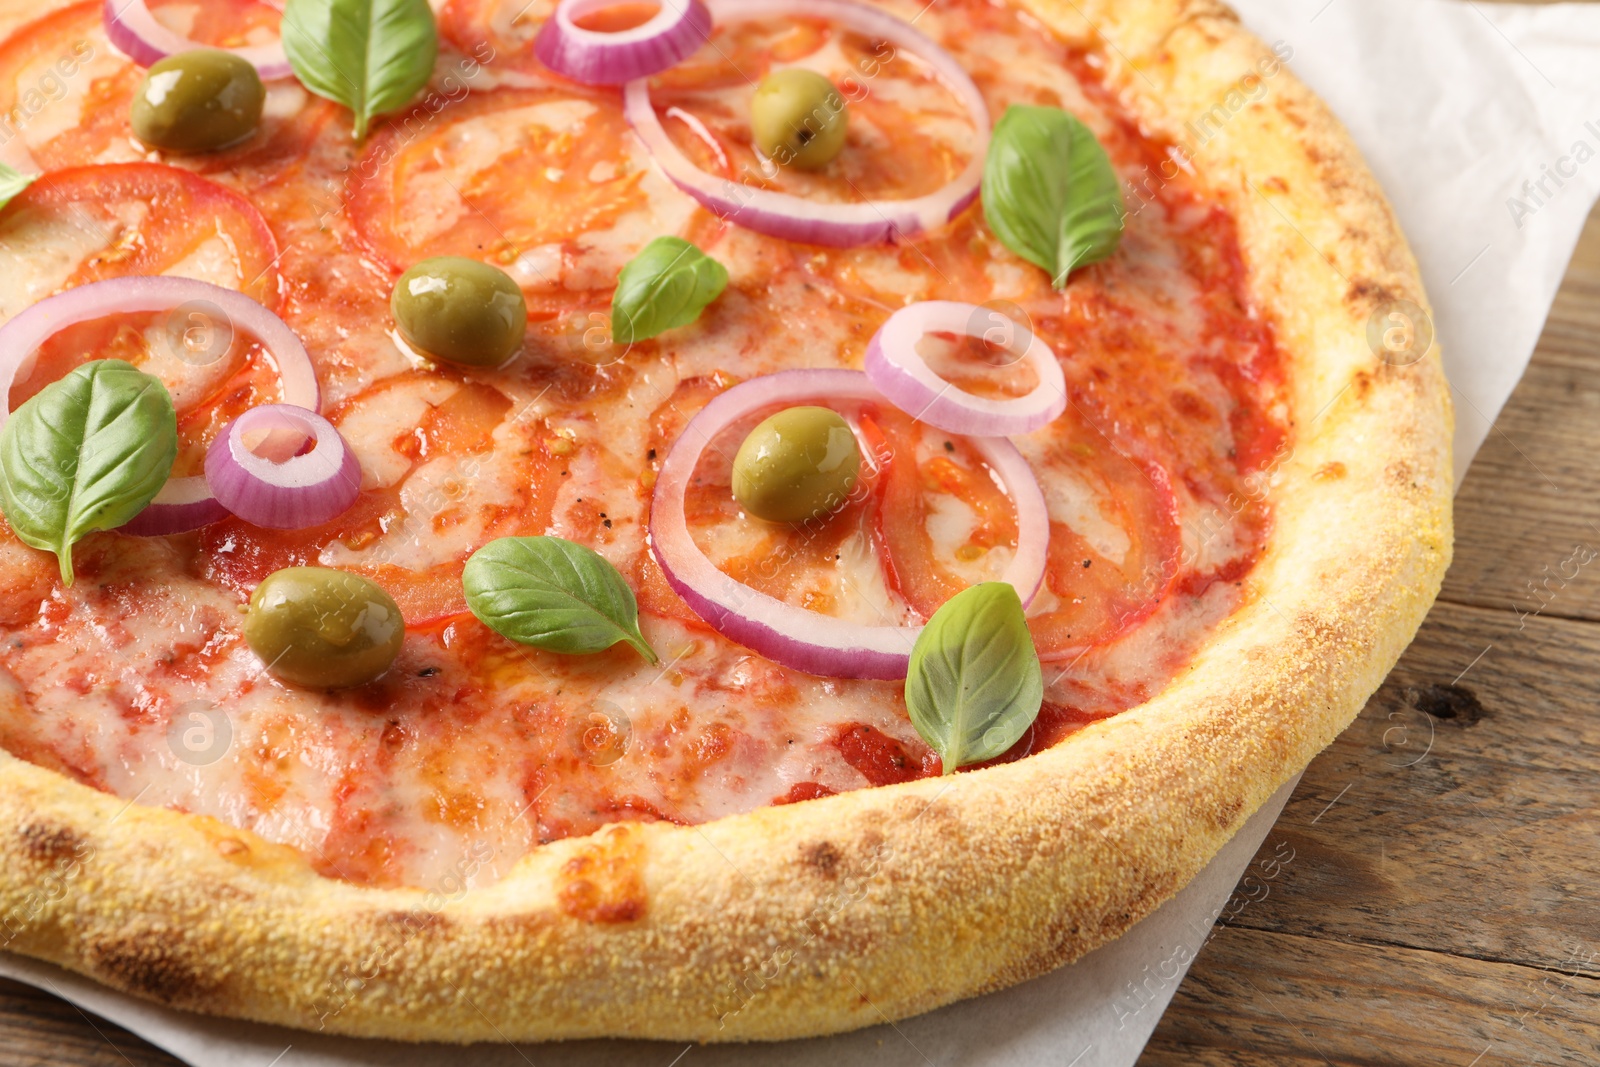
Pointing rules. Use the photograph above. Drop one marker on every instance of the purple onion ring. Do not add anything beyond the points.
(305, 488)
(795, 218)
(183, 503)
(594, 57)
(135, 33)
(793, 636)
(906, 381)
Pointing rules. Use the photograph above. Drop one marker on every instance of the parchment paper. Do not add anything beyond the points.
(1482, 121)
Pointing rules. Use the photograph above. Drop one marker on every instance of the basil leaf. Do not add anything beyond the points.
(1049, 191)
(369, 55)
(86, 453)
(974, 686)
(13, 182)
(665, 286)
(553, 594)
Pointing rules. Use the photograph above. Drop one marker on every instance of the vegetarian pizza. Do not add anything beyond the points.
(710, 519)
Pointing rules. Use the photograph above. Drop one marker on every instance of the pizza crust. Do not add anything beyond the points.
(884, 902)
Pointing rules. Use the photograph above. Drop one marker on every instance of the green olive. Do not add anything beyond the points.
(797, 465)
(198, 102)
(460, 311)
(323, 629)
(798, 118)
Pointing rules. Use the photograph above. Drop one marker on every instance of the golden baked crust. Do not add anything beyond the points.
(884, 902)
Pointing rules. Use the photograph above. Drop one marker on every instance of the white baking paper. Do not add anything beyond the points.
(1482, 121)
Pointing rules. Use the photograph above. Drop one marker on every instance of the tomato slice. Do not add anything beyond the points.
(666, 423)
(501, 30)
(1114, 569)
(149, 218)
(499, 175)
(914, 568)
(898, 149)
(62, 74)
(459, 427)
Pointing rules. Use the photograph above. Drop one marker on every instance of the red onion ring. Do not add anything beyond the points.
(797, 637)
(795, 218)
(183, 503)
(304, 489)
(135, 33)
(594, 57)
(907, 382)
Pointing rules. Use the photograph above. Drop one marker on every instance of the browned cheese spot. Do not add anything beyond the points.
(604, 882)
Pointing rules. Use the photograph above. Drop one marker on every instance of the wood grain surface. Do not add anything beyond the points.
(1431, 894)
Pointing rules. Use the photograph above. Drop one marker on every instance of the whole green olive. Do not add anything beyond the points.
(797, 465)
(460, 310)
(198, 101)
(323, 629)
(798, 118)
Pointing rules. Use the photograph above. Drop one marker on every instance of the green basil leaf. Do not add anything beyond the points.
(665, 286)
(1050, 192)
(13, 182)
(974, 686)
(553, 594)
(86, 453)
(369, 55)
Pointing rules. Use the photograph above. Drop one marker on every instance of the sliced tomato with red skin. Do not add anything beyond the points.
(40, 61)
(538, 192)
(239, 555)
(666, 423)
(47, 56)
(803, 791)
(881, 759)
(709, 95)
(915, 570)
(1102, 597)
(151, 217)
(498, 31)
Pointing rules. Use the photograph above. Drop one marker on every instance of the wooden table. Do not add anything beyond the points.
(1431, 894)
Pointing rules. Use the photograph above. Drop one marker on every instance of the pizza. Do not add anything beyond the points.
(723, 520)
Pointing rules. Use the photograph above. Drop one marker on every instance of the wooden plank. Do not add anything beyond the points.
(37, 1028)
(1454, 817)
(1298, 1000)
(1165, 1052)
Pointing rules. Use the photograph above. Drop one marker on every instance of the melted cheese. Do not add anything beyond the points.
(137, 680)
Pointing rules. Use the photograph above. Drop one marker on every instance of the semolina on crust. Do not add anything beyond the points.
(834, 914)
